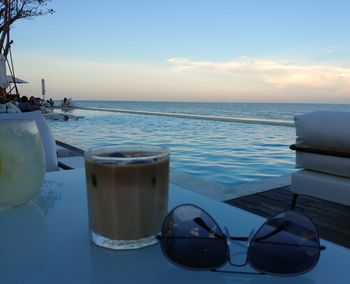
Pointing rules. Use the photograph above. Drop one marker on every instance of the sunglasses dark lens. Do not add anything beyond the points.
(191, 238)
(287, 244)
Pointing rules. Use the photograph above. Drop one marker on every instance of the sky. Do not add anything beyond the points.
(188, 50)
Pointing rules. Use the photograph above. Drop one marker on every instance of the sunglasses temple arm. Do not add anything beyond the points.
(274, 232)
(199, 221)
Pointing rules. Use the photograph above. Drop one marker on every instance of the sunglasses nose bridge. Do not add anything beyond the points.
(229, 245)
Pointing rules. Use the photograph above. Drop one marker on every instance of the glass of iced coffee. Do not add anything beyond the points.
(127, 191)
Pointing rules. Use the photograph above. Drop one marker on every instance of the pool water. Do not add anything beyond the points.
(224, 152)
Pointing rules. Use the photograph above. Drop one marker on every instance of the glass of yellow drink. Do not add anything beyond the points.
(22, 163)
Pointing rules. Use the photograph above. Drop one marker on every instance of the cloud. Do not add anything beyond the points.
(244, 79)
(85, 78)
(277, 74)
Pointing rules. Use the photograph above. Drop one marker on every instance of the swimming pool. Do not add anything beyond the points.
(224, 152)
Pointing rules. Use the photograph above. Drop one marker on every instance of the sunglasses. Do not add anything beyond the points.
(287, 244)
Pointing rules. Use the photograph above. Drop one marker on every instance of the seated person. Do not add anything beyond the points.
(65, 102)
(38, 102)
(25, 106)
(51, 102)
(32, 100)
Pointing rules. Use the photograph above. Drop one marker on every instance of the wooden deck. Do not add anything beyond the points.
(333, 220)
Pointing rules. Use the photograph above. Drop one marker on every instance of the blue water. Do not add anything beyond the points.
(244, 110)
(224, 152)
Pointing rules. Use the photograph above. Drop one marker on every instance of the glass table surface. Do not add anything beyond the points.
(47, 241)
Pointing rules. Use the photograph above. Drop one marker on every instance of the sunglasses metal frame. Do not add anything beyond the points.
(228, 240)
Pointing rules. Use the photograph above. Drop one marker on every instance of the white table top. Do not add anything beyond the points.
(47, 241)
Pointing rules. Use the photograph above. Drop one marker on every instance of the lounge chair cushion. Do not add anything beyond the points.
(324, 130)
(328, 187)
(45, 133)
(12, 108)
(9, 108)
(339, 166)
(3, 108)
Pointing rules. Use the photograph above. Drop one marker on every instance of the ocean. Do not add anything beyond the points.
(225, 152)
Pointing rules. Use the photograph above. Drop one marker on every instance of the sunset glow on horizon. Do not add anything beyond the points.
(229, 51)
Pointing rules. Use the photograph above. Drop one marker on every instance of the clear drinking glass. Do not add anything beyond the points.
(127, 190)
(22, 164)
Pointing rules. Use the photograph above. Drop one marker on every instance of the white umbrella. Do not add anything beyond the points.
(4, 82)
(43, 91)
(17, 80)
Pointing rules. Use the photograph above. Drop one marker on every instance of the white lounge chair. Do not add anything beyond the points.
(323, 153)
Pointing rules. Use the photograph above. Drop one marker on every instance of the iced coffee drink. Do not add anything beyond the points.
(127, 190)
